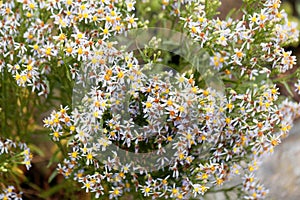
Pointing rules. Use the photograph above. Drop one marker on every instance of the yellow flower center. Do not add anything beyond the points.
(31, 6)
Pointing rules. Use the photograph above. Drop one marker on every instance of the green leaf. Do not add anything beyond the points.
(53, 158)
(36, 149)
(34, 186)
(48, 193)
(52, 176)
(68, 74)
(298, 6)
(230, 13)
(288, 88)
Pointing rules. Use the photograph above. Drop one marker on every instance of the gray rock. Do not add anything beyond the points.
(280, 172)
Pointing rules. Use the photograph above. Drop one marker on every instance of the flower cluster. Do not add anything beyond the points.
(37, 34)
(232, 41)
(146, 128)
(211, 133)
(17, 153)
(11, 154)
(213, 136)
(10, 193)
(171, 112)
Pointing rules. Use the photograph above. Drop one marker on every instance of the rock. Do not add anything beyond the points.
(280, 172)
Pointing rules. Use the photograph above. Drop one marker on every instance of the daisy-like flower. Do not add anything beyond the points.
(56, 135)
(297, 86)
(115, 192)
(49, 50)
(174, 191)
(218, 60)
(130, 5)
(87, 185)
(199, 189)
(131, 21)
(105, 32)
(238, 56)
(146, 190)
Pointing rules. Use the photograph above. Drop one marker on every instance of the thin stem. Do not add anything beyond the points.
(224, 189)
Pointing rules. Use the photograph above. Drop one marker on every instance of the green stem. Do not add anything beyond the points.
(287, 77)
(225, 189)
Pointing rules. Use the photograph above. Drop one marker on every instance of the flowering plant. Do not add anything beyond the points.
(145, 120)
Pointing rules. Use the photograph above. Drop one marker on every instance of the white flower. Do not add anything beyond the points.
(297, 85)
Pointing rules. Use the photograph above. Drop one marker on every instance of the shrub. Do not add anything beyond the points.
(172, 111)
